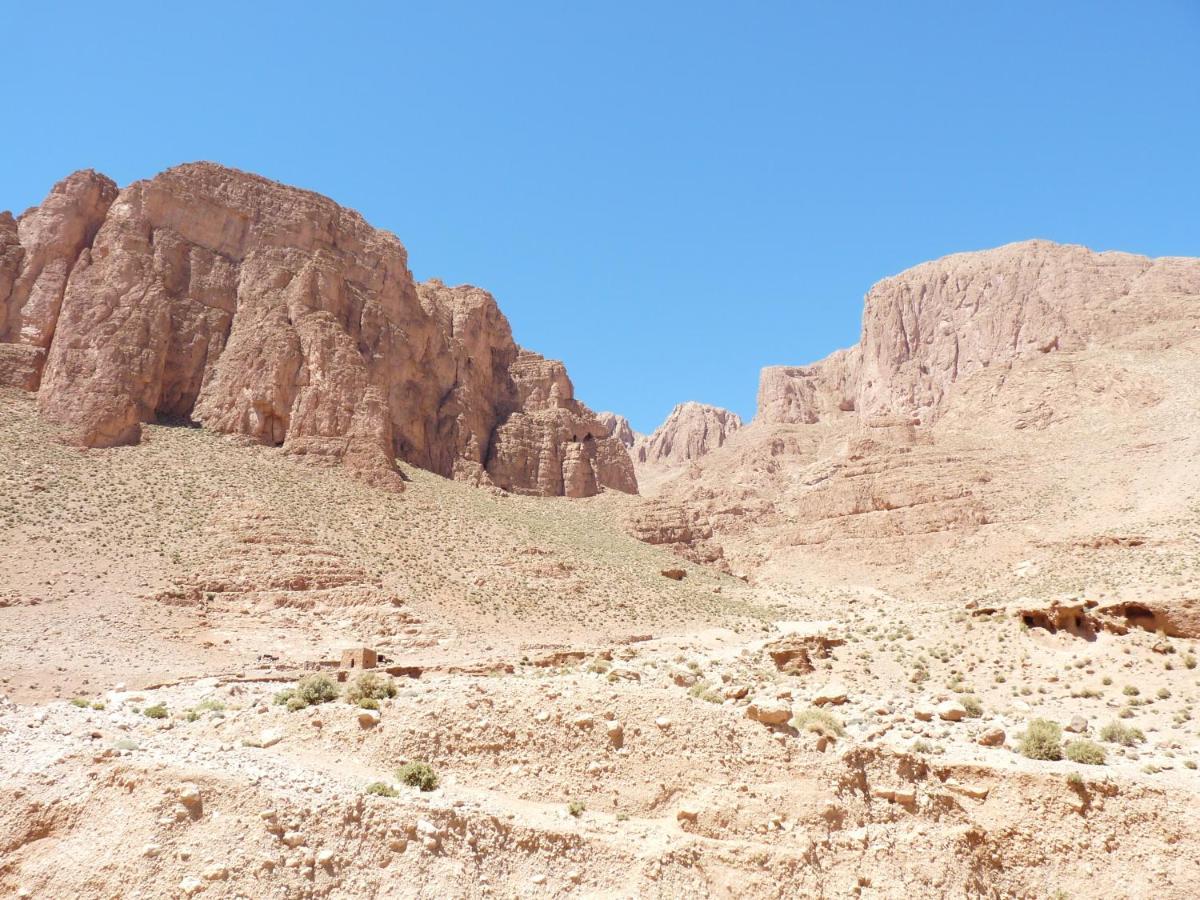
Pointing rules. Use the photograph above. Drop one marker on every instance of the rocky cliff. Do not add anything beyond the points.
(937, 323)
(214, 296)
(692, 430)
(1006, 389)
(618, 426)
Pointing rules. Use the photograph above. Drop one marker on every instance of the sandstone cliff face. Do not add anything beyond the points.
(802, 395)
(253, 308)
(479, 392)
(554, 444)
(691, 431)
(988, 389)
(934, 324)
(37, 254)
(619, 427)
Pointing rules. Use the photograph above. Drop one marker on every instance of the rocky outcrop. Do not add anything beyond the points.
(554, 445)
(681, 528)
(253, 308)
(481, 392)
(933, 325)
(981, 382)
(619, 427)
(37, 255)
(691, 431)
(802, 395)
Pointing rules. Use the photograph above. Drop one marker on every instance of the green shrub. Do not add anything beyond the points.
(1084, 751)
(1120, 733)
(418, 775)
(818, 721)
(1042, 740)
(575, 808)
(922, 746)
(379, 789)
(972, 705)
(370, 686)
(1131, 690)
(81, 702)
(702, 690)
(210, 705)
(157, 711)
(311, 690)
(368, 703)
(98, 705)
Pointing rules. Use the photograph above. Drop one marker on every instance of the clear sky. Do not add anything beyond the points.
(666, 195)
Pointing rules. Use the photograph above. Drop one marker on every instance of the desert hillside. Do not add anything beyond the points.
(316, 584)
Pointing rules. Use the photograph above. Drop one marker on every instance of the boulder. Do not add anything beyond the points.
(769, 711)
(993, 737)
(832, 694)
(951, 711)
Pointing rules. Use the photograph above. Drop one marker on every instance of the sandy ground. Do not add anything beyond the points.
(595, 728)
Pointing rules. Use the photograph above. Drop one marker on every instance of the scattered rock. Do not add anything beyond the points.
(368, 718)
(769, 710)
(993, 737)
(951, 711)
(832, 694)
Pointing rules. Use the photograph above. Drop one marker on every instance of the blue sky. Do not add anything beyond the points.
(668, 196)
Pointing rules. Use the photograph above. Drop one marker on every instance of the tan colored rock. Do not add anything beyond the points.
(938, 322)
(553, 444)
(253, 308)
(692, 430)
(794, 653)
(832, 694)
(951, 711)
(38, 254)
(928, 327)
(619, 428)
(769, 711)
(921, 432)
(682, 529)
(802, 395)
(993, 737)
(1177, 617)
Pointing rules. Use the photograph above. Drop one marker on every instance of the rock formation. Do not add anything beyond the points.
(219, 297)
(691, 431)
(982, 383)
(933, 325)
(619, 427)
(554, 444)
(37, 255)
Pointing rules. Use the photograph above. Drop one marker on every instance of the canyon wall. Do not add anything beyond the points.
(934, 324)
(214, 296)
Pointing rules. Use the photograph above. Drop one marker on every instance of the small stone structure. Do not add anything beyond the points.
(359, 658)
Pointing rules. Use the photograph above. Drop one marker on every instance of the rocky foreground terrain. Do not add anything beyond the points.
(927, 626)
